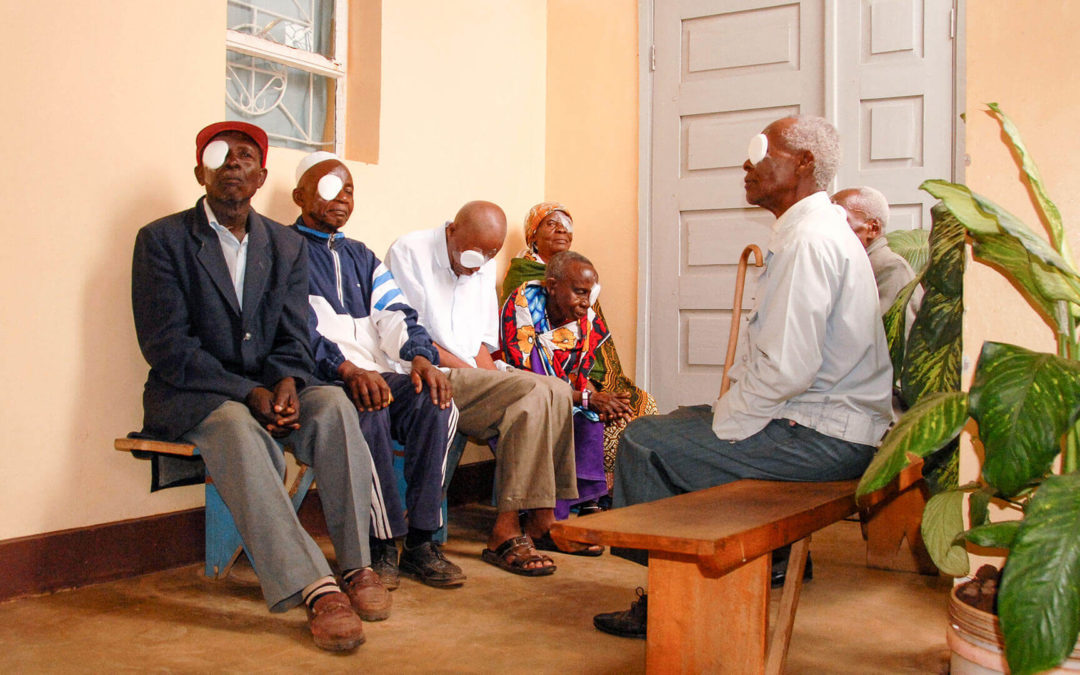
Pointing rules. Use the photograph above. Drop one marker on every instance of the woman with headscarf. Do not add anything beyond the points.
(549, 229)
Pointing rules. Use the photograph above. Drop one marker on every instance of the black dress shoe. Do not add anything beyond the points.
(384, 560)
(427, 564)
(779, 572)
(629, 623)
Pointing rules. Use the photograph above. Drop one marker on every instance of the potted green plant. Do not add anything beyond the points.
(1026, 405)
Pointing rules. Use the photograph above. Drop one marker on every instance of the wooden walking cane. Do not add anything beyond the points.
(736, 311)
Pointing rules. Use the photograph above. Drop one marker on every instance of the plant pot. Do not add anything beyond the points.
(974, 636)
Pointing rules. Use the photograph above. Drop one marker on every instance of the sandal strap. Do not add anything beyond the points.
(512, 543)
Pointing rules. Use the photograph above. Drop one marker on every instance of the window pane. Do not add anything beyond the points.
(291, 105)
(303, 24)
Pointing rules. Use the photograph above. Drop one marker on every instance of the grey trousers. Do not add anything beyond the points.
(532, 416)
(248, 467)
(665, 455)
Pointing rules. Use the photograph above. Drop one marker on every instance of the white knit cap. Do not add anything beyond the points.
(311, 160)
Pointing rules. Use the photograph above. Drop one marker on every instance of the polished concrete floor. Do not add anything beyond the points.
(850, 620)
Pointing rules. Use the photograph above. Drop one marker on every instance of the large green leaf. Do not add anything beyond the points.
(993, 535)
(1039, 598)
(1047, 273)
(1046, 206)
(934, 348)
(1023, 401)
(1011, 259)
(925, 428)
(961, 203)
(946, 269)
(912, 245)
(895, 319)
(979, 507)
(942, 524)
(1055, 276)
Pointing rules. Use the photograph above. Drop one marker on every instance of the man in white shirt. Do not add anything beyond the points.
(448, 276)
(812, 395)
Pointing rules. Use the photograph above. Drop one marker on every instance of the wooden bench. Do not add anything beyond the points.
(223, 542)
(710, 564)
(709, 567)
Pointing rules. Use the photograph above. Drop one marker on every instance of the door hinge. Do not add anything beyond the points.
(652, 57)
(952, 23)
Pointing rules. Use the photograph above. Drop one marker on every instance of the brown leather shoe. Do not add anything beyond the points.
(369, 597)
(334, 624)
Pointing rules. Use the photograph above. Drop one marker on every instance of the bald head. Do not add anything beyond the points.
(478, 226)
(867, 212)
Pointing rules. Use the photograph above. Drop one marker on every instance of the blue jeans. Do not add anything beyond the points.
(665, 455)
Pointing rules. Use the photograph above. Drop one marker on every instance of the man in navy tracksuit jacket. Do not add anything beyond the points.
(367, 338)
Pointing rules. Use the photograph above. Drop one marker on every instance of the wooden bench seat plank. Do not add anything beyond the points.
(730, 524)
(148, 445)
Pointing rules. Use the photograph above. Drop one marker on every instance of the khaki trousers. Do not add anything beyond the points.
(532, 415)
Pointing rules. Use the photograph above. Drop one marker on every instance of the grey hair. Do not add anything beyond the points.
(874, 204)
(561, 261)
(820, 138)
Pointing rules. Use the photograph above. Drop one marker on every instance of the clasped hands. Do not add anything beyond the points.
(610, 406)
(278, 411)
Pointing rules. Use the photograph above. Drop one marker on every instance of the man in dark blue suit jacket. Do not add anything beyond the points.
(220, 302)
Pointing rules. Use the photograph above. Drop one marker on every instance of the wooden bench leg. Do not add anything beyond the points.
(893, 537)
(700, 622)
(789, 602)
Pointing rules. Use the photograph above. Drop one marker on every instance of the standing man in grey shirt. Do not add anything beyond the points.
(802, 407)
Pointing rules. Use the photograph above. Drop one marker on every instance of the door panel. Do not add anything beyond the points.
(724, 70)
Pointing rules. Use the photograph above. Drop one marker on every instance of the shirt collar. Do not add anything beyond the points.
(317, 234)
(442, 253)
(782, 228)
(220, 229)
(880, 242)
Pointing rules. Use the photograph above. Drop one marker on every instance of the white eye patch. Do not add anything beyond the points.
(594, 294)
(213, 155)
(472, 259)
(330, 186)
(563, 220)
(759, 146)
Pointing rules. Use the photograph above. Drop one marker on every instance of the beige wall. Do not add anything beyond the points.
(592, 150)
(1020, 58)
(107, 99)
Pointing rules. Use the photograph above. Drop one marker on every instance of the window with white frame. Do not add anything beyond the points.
(285, 70)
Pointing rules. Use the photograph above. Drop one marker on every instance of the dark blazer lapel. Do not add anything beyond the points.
(211, 257)
(258, 263)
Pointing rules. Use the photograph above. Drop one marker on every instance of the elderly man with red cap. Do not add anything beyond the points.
(220, 301)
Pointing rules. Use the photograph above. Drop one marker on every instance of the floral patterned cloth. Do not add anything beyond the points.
(566, 352)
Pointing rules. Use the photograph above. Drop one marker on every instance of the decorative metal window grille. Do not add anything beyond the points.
(285, 70)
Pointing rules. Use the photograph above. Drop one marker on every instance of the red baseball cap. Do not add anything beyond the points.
(250, 130)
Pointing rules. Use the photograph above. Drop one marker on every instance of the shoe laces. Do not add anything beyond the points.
(639, 607)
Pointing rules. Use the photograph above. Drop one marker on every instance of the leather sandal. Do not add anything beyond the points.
(514, 554)
(546, 543)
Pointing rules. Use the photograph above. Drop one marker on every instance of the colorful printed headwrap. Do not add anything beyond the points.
(537, 214)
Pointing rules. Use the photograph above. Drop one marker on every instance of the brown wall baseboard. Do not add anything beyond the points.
(52, 561)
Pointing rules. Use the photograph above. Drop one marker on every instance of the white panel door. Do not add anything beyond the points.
(895, 100)
(724, 70)
(881, 70)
